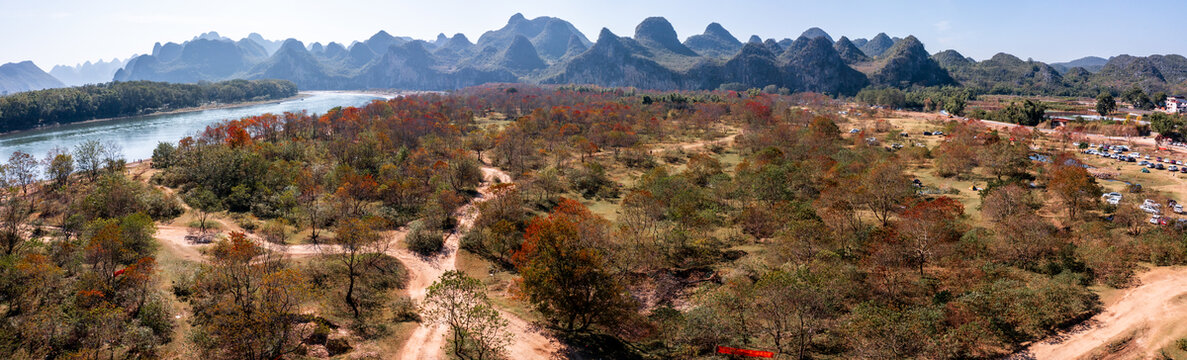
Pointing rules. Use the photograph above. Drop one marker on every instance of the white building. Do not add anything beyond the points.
(1176, 104)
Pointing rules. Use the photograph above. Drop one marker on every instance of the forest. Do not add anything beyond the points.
(33, 109)
(628, 224)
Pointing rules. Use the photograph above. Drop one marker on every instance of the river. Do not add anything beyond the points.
(139, 135)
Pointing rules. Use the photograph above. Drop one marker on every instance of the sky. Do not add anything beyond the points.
(53, 32)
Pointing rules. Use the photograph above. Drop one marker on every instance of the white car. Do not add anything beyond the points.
(1151, 207)
(1112, 198)
(1156, 219)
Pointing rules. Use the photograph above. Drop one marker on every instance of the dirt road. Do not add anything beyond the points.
(427, 341)
(1153, 315)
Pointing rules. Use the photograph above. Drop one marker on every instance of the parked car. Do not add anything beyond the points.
(1160, 166)
(1172, 168)
(1112, 198)
(1157, 220)
(1150, 206)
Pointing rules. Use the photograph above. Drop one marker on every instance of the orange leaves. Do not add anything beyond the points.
(237, 136)
(237, 248)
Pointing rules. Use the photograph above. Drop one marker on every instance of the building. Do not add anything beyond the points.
(1176, 104)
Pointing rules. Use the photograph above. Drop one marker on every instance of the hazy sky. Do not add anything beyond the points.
(52, 32)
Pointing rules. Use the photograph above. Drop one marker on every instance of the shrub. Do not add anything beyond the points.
(637, 158)
(423, 240)
(405, 310)
(674, 155)
(275, 231)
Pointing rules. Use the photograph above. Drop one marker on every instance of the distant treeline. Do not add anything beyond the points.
(29, 110)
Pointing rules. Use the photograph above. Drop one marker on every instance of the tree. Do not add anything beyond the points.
(885, 187)
(1158, 99)
(1003, 203)
(21, 170)
(203, 200)
(164, 155)
(477, 331)
(358, 247)
(1130, 216)
(59, 166)
(791, 309)
(89, 155)
(1137, 98)
(309, 184)
(928, 226)
(478, 141)
(1105, 104)
(1073, 186)
(246, 302)
(565, 269)
(1164, 124)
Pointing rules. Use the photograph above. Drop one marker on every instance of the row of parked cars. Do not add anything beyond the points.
(1157, 162)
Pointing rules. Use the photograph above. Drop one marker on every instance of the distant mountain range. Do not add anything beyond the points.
(24, 76)
(549, 50)
(88, 72)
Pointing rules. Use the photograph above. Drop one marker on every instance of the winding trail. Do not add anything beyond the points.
(1153, 315)
(427, 341)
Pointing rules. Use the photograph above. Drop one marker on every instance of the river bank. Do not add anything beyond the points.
(300, 95)
(138, 135)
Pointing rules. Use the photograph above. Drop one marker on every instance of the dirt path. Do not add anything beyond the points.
(1152, 314)
(428, 341)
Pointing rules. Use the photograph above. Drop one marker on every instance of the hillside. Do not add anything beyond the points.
(1091, 63)
(25, 76)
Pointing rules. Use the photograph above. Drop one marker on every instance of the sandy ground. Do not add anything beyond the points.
(1152, 313)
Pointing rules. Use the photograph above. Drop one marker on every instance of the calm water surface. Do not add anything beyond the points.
(139, 135)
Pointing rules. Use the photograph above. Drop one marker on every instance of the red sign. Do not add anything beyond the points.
(744, 352)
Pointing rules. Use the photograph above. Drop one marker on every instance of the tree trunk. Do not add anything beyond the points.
(350, 295)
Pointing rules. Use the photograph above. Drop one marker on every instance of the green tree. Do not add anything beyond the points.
(477, 331)
(203, 200)
(1137, 98)
(1105, 104)
(1164, 124)
(60, 164)
(89, 156)
(163, 156)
